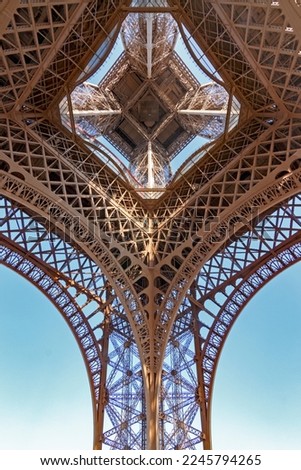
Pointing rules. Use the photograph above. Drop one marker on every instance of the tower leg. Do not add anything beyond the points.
(206, 432)
(100, 412)
(152, 393)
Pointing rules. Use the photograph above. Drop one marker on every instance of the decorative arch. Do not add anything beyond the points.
(58, 293)
(97, 245)
(80, 291)
(214, 300)
(206, 246)
(244, 291)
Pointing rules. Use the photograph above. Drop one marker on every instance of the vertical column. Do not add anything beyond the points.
(150, 166)
(152, 379)
(206, 432)
(100, 412)
(149, 43)
(152, 394)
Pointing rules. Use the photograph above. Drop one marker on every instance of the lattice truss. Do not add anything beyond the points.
(257, 47)
(150, 168)
(93, 110)
(222, 288)
(40, 52)
(211, 102)
(150, 287)
(80, 291)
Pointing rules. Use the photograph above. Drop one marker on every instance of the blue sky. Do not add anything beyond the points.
(44, 392)
(258, 383)
(45, 396)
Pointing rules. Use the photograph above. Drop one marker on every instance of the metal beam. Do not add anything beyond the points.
(154, 9)
(95, 112)
(149, 43)
(74, 17)
(6, 12)
(206, 112)
(293, 14)
(150, 166)
(239, 41)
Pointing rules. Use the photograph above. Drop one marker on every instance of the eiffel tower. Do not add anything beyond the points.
(150, 179)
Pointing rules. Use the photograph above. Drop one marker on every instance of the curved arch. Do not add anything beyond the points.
(258, 375)
(100, 309)
(198, 358)
(236, 220)
(268, 245)
(244, 291)
(95, 244)
(58, 294)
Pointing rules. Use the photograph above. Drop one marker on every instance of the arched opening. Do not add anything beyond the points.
(256, 399)
(45, 400)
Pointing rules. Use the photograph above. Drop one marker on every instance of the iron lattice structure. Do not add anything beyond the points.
(150, 280)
